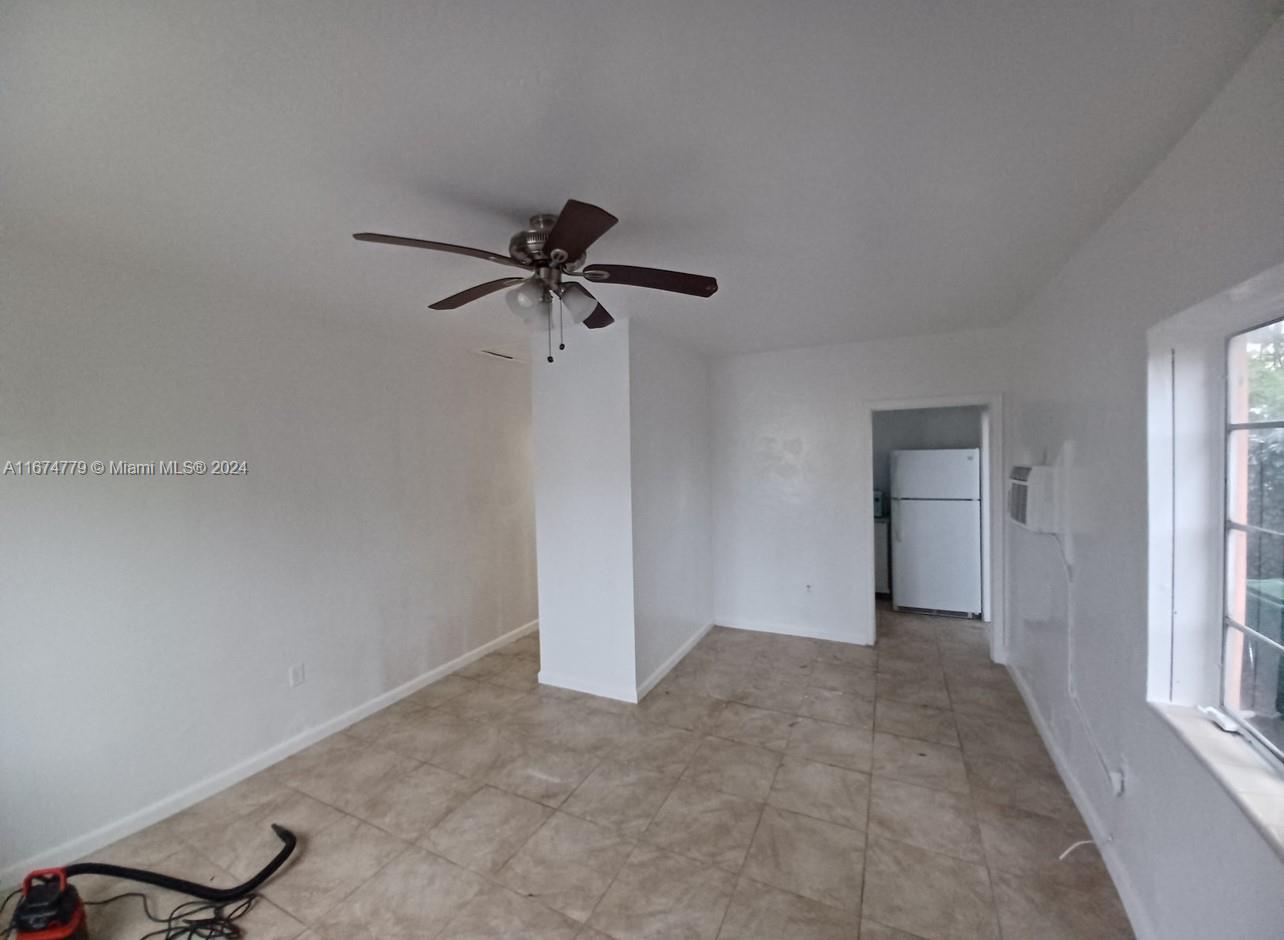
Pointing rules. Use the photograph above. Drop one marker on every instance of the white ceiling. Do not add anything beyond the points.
(848, 170)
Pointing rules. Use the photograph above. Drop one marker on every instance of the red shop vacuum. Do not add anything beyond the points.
(51, 908)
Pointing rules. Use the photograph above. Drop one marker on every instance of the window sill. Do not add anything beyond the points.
(1255, 785)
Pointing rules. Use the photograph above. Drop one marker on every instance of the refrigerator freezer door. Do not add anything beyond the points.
(936, 555)
(936, 474)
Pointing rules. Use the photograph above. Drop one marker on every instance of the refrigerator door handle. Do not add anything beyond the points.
(896, 520)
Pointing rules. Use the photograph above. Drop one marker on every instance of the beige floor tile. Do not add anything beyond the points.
(542, 773)
(690, 711)
(892, 666)
(571, 724)
(859, 680)
(749, 725)
(623, 796)
(1031, 787)
(485, 701)
(246, 845)
(427, 733)
(829, 743)
(846, 654)
(936, 820)
(414, 897)
(970, 697)
(500, 914)
(659, 896)
(821, 790)
(476, 748)
(208, 817)
(895, 653)
(520, 674)
(739, 769)
(760, 912)
(618, 768)
(785, 648)
(1029, 844)
(1034, 909)
(773, 694)
(816, 859)
(870, 930)
(384, 722)
(844, 708)
(919, 762)
(916, 721)
(567, 865)
(348, 779)
(897, 626)
(595, 702)
(914, 687)
(705, 824)
(441, 691)
(315, 758)
(486, 830)
(527, 646)
(412, 804)
(932, 896)
(486, 666)
(656, 747)
(1014, 739)
(329, 866)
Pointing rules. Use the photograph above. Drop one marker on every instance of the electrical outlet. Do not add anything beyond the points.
(296, 675)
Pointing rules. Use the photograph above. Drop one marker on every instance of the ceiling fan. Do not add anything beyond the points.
(552, 248)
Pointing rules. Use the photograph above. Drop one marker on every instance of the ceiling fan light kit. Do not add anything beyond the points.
(550, 248)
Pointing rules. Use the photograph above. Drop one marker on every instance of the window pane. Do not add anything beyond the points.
(1255, 478)
(1256, 374)
(1255, 581)
(1254, 686)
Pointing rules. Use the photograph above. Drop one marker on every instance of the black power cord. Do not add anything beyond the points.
(3, 904)
(197, 920)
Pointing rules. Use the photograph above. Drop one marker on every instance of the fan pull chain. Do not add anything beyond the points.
(561, 337)
(550, 335)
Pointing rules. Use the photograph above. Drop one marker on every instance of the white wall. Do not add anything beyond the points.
(672, 448)
(1210, 216)
(792, 472)
(918, 429)
(385, 528)
(584, 512)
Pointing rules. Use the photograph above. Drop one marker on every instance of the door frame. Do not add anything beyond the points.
(993, 529)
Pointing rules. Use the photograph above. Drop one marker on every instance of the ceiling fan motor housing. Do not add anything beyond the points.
(528, 244)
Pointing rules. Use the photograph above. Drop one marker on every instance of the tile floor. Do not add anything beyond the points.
(771, 788)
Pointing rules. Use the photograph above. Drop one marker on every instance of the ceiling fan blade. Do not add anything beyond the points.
(455, 301)
(579, 226)
(438, 246)
(655, 278)
(598, 318)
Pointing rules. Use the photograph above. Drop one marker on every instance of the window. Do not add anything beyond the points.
(1253, 621)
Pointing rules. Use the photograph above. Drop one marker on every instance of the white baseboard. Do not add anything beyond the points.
(588, 686)
(167, 806)
(651, 681)
(1141, 923)
(796, 631)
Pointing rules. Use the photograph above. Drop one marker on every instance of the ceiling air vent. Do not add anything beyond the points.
(514, 353)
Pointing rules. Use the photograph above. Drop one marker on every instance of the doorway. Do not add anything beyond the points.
(939, 532)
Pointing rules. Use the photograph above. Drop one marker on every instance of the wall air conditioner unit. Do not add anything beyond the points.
(1032, 498)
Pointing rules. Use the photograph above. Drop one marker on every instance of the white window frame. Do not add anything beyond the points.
(1187, 433)
(1229, 624)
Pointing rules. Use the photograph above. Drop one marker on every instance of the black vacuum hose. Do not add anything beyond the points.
(204, 892)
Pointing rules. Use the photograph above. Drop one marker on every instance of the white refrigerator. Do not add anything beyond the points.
(936, 530)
